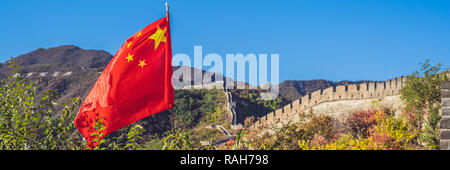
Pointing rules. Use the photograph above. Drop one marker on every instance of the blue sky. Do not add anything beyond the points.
(316, 39)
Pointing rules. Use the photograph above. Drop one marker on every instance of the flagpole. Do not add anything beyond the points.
(167, 18)
(167, 6)
(173, 123)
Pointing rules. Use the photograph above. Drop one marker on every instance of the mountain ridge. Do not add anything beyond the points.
(71, 71)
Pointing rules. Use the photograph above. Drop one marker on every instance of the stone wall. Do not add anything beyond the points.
(44, 74)
(371, 90)
(445, 122)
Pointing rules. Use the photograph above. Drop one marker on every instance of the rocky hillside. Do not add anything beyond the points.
(69, 70)
(60, 59)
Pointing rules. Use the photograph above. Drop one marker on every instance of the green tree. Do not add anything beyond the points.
(422, 96)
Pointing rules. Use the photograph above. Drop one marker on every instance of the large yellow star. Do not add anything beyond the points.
(142, 63)
(130, 57)
(159, 36)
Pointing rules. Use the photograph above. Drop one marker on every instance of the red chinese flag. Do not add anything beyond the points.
(135, 84)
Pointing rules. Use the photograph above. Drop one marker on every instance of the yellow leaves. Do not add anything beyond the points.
(345, 142)
(304, 145)
(365, 144)
(397, 128)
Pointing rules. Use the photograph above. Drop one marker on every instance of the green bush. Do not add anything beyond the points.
(177, 141)
(29, 121)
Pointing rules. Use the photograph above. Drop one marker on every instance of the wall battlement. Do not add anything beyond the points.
(366, 90)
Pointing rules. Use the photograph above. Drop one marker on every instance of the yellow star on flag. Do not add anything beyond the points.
(139, 34)
(159, 36)
(128, 45)
(142, 63)
(130, 57)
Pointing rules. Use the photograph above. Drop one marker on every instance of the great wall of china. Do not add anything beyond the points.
(366, 90)
(369, 90)
(44, 74)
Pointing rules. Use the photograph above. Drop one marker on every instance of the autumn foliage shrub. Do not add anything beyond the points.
(228, 145)
(361, 122)
(371, 129)
(392, 132)
(322, 127)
